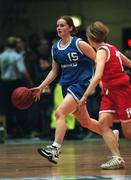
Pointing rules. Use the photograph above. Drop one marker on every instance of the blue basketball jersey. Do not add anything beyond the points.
(76, 67)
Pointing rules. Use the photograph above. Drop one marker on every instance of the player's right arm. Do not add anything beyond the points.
(50, 77)
(125, 61)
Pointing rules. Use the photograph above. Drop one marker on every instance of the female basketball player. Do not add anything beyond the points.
(116, 101)
(75, 58)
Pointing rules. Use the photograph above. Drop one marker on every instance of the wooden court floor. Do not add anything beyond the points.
(79, 160)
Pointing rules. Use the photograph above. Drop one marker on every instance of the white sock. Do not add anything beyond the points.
(116, 133)
(56, 145)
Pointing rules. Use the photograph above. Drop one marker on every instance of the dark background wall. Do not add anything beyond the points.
(39, 16)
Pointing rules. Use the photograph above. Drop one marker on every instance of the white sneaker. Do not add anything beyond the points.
(114, 163)
(50, 152)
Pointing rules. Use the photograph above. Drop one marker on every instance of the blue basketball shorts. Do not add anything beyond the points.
(76, 90)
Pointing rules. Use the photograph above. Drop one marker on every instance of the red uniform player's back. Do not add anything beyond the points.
(113, 75)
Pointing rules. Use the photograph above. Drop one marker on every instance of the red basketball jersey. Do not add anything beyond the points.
(113, 75)
(116, 85)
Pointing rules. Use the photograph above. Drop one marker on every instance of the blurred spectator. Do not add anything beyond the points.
(32, 57)
(45, 105)
(2, 46)
(35, 52)
(13, 74)
(21, 49)
(46, 102)
(21, 45)
(2, 116)
(44, 49)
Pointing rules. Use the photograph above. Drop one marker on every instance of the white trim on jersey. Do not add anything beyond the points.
(110, 111)
(125, 121)
(62, 48)
(79, 39)
(108, 51)
(52, 53)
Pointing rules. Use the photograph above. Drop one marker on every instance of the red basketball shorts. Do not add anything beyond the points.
(118, 101)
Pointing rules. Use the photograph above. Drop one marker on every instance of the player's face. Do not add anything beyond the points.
(63, 29)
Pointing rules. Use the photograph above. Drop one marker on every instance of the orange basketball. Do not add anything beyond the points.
(22, 98)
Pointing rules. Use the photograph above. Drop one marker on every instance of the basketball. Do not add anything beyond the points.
(22, 98)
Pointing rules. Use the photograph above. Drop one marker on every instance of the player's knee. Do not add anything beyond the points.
(59, 113)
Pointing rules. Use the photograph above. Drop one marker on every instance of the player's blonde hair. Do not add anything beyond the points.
(97, 32)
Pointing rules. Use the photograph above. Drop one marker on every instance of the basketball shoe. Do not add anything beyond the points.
(50, 152)
(114, 163)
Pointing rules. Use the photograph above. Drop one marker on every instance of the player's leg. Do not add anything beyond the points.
(85, 121)
(105, 123)
(67, 106)
(124, 109)
(126, 128)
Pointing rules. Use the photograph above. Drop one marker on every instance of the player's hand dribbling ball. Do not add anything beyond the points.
(22, 98)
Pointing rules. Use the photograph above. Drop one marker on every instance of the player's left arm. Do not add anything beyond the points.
(125, 61)
(101, 58)
(87, 50)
